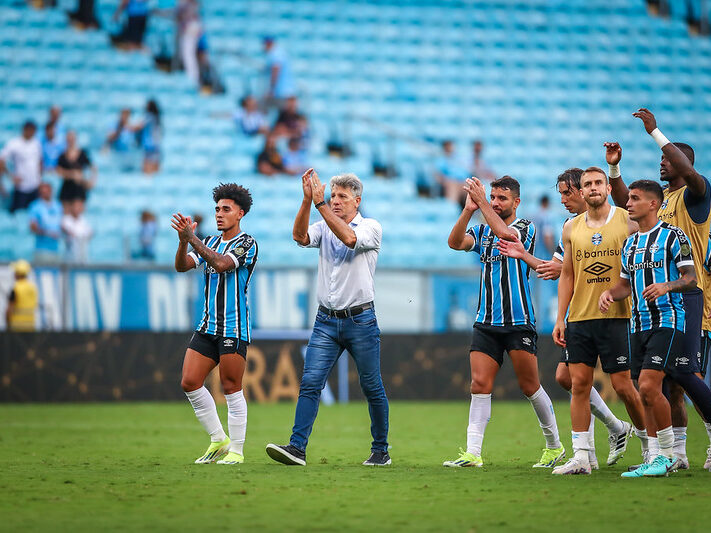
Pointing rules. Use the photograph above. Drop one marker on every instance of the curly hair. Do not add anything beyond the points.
(234, 192)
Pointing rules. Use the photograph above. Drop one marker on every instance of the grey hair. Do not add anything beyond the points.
(348, 181)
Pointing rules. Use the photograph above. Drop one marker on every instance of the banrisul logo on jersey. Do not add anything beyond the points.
(597, 239)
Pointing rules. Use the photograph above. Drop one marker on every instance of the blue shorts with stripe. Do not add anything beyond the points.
(659, 349)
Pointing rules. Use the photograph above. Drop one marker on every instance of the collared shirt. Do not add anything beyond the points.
(345, 276)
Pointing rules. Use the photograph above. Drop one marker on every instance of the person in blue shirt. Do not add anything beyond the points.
(46, 223)
(131, 36)
(151, 132)
(53, 147)
(280, 80)
(224, 330)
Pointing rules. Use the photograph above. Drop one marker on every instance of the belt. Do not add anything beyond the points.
(345, 313)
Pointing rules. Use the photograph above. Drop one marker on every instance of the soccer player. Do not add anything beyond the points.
(592, 243)
(223, 333)
(657, 265)
(505, 319)
(706, 337)
(686, 205)
(568, 185)
(348, 247)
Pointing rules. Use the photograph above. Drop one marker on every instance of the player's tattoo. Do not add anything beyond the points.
(215, 259)
(686, 282)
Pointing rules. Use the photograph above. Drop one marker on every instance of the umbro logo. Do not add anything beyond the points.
(682, 361)
(228, 342)
(622, 359)
(526, 341)
(656, 360)
(597, 268)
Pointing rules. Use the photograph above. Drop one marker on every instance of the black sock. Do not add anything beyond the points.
(697, 390)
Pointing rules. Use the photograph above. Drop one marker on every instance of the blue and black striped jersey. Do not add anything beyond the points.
(504, 292)
(226, 311)
(655, 256)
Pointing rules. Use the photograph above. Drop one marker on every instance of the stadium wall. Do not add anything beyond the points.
(139, 366)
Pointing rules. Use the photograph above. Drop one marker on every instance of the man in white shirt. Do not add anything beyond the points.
(24, 155)
(348, 251)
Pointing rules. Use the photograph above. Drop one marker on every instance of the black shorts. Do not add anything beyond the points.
(213, 346)
(694, 314)
(659, 349)
(607, 338)
(494, 340)
(704, 353)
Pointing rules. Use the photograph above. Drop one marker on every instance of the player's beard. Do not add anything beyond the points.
(503, 214)
(596, 201)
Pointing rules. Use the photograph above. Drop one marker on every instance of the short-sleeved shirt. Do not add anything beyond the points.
(655, 256)
(24, 156)
(226, 309)
(504, 292)
(345, 275)
(249, 123)
(285, 86)
(48, 216)
(51, 151)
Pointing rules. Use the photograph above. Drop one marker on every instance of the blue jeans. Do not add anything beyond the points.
(361, 337)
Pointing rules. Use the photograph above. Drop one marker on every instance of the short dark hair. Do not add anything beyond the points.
(590, 170)
(234, 192)
(571, 177)
(29, 124)
(688, 151)
(507, 182)
(649, 186)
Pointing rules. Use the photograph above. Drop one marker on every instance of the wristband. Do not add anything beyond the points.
(659, 138)
(322, 202)
(614, 171)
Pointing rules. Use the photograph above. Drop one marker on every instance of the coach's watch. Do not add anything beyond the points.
(322, 202)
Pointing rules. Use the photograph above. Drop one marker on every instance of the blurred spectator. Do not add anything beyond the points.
(45, 222)
(52, 147)
(72, 167)
(199, 233)
(210, 81)
(121, 139)
(150, 132)
(24, 155)
(269, 160)
(280, 81)
(23, 300)
(294, 159)
(84, 16)
(131, 36)
(291, 122)
(478, 166)
(54, 117)
(248, 118)
(77, 233)
(147, 236)
(450, 173)
(189, 25)
(545, 229)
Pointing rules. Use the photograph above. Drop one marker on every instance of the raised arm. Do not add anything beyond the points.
(186, 230)
(565, 287)
(338, 226)
(476, 189)
(613, 156)
(683, 166)
(458, 237)
(183, 262)
(300, 233)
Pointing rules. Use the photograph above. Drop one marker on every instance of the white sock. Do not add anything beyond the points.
(667, 441)
(236, 420)
(591, 435)
(206, 412)
(546, 417)
(708, 429)
(580, 445)
(679, 441)
(642, 436)
(479, 415)
(599, 409)
(653, 447)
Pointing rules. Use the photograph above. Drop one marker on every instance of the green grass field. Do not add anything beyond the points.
(129, 467)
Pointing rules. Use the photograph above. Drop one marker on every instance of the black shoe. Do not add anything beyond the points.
(289, 455)
(378, 459)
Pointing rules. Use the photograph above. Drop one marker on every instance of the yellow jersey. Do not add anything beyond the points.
(24, 298)
(596, 265)
(675, 212)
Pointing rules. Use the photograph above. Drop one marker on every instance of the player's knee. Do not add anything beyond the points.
(528, 386)
(562, 376)
(189, 384)
(648, 392)
(481, 386)
(230, 386)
